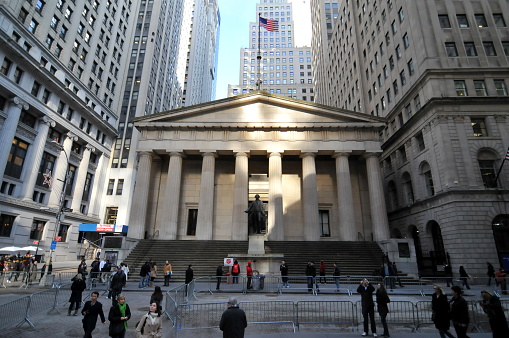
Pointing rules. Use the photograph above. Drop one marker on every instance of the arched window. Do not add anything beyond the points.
(396, 233)
(487, 159)
(428, 179)
(436, 233)
(393, 195)
(408, 191)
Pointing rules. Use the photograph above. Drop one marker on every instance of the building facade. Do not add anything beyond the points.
(284, 69)
(316, 168)
(438, 71)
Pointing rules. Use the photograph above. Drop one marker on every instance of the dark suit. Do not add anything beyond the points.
(233, 322)
(368, 306)
(90, 313)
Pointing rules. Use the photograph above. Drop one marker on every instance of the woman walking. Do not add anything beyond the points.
(153, 273)
(150, 325)
(493, 308)
(118, 317)
(382, 299)
(464, 276)
(77, 287)
(440, 315)
(157, 297)
(459, 312)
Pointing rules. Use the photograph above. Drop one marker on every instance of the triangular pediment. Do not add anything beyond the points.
(257, 108)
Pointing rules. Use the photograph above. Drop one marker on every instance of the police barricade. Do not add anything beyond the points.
(478, 318)
(3, 278)
(299, 284)
(427, 284)
(174, 298)
(227, 284)
(423, 314)
(265, 283)
(400, 312)
(394, 285)
(198, 316)
(42, 301)
(15, 313)
(326, 312)
(329, 284)
(203, 284)
(63, 295)
(353, 282)
(66, 277)
(501, 284)
(190, 290)
(270, 312)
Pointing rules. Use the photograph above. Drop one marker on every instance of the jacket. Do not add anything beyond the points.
(441, 316)
(382, 299)
(77, 288)
(189, 275)
(366, 295)
(152, 328)
(118, 281)
(90, 313)
(233, 322)
(459, 311)
(117, 325)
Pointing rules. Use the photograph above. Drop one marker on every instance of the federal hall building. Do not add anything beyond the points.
(316, 169)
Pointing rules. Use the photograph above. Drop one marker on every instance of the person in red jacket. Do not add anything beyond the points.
(249, 273)
(322, 273)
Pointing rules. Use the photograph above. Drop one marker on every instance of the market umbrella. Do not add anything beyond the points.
(29, 248)
(10, 249)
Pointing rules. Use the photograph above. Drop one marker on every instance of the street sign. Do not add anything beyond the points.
(58, 239)
(53, 245)
(36, 242)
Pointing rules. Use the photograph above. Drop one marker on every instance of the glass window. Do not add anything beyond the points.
(450, 48)
(62, 231)
(407, 188)
(444, 21)
(500, 87)
(489, 48)
(462, 21)
(499, 20)
(324, 223)
(480, 20)
(7, 221)
(37, 230)
(46, 167)
(480, 88)
(505, 47)
(461, 88)
(16, 158)
(478, 127)
(487, 160)
(87, 187)
(111, 215)
(192, 218)
(428, 179)
(470, 49)
(419, 139)
(120, 186)
(406, 41)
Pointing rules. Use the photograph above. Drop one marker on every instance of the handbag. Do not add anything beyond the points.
(143, 327)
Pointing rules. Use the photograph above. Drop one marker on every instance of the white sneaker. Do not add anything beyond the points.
(364, 334)
(375, 335)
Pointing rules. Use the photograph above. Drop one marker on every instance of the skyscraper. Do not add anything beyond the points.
(438, 71)
(284, 68)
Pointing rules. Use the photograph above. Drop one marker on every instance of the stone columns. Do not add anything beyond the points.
(379, 219)
(8, 130)
(206, 203)
(240, 198)
(34, 158)
(140, 197)
(98, 186)
(80, 179)
(345, 198)
(310, 198)
(172, 201)
(60, 174)
(276, 230)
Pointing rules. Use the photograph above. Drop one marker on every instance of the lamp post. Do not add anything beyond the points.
(59, 215)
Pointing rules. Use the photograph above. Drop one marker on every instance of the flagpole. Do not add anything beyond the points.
(502, 165)
(259, 56)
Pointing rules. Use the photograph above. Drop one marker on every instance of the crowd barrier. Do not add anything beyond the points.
(325, 312)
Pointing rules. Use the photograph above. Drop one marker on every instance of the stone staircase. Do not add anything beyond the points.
(354, 258)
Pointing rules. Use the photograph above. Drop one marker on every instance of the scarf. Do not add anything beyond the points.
(122, 312)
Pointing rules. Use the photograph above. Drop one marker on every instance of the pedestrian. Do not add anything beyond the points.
(95, 270)
(118, 317)
(233, 320)
(235, 272)
(153, 273)
(440, 312)
(157, 297)
(117, 283)
(382, 299)
(459, 312)
(32, 272)
(448, 274)
(493, 308)
(77, 287)
(393, 271)
(501, 280)
(284, 274)
(150, 325)
(368, 306)
(249, 274)
(311, 274)
(189, 274)
(322, 272)
(144, 270)
(102, 267)
(82, 268)
(90, 311)
(167, 270)
(464, 276)
(125, 270)
(219, 274)
(491, 273)
(336, 273)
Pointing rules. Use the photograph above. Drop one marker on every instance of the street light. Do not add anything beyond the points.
(59, 215)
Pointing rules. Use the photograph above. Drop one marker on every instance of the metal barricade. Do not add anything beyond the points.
(428, 282)
(411, 287)
(400, 312)
(190, 290)
(478, 318)
(501, 286)
(353, 282)
(42, 301)
(230, 286)
(299, 284)
(271, 312)
(266, 284)
(423, 313)
(198, 316)
(325, 312)
(203, 284)
(15, 313)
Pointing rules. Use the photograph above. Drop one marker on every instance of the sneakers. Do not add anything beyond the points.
(364, 334)
(375, 335)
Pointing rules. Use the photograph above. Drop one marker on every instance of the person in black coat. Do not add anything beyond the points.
(219, 274)
(382, 299)
(440, 315)
(118, 281)
(118, 316)
(459, 312)
(368, 306)
(493, 308)
(284, 274)
(311, 273)
(90, 312)
(77, 288)
(233, 321)
(464, 276)
(189, 274)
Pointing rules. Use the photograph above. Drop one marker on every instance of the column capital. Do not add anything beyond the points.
(47, 121)
(176, 153)
(145, 153)
(308, 154)
(90, 147)
(72, 136)
(241, 154)
(275, 154)
(372, 154)
(19, 102)
(209, 153)
(342, 154)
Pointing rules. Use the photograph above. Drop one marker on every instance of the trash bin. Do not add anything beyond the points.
(255, 280)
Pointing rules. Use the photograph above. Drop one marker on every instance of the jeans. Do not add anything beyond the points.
(147, 279)
(336, 279)
(142, 282)
(369, 312)
(167, 280)
(310, 283)
(383, 319)
(218, 282)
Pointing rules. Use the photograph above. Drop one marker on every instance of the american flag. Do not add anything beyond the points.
(507, 155)
(270, 25)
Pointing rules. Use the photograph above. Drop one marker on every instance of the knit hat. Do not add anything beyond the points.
(457, 289)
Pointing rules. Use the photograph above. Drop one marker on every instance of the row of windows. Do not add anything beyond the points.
(36, 230)
(278, 81)
(470, 48)
(277, 53)
(271, 45)
(277, 74)
(111, 187)
(479, 87)
(479, 19)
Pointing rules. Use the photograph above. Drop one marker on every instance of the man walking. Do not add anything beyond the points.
(167, 273)
(144, 270)
(90, 311)
(368, 306)
(336, 273)
(233, 321)
(311, 274)
(284, 274)
(117, 283)
(94, 270)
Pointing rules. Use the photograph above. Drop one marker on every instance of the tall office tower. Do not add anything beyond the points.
(62, 62)
(285, 69)
(438, 71)
(173, 50)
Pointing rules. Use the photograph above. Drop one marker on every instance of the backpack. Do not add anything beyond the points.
(235, 268)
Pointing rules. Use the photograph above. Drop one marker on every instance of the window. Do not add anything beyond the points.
(478, 127)
(111, 185)
(54, 22)
(111, 215)
(71, 174)
(16, 158)
(462, 21)
(398, 52)
(480, 20)
(86, 188)
(120, 186)
(480, 88)
(35, 88)
(401, 15)
(32, 27)
(450, 48)
(470, 49)
(428, 179)
(489, 48)
(37, 230)
(419, 139)
(407, 188)
(417, 102)
(62, 231)
(461, 88)
(46, 166)
(395, 87)
(402, 77)
(6, 222)
(406, 41)
(18, 74)
(324, 223)
(486, 159)
(499, 20)
(6, 66)
(444, 21)
(505, 47)
(500, 87)
(393, 195)
(192, 217)
(402, 154)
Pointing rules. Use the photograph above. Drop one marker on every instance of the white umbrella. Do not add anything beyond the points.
(29, 248)
(11, 248)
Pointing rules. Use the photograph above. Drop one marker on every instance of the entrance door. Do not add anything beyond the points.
(500, 226)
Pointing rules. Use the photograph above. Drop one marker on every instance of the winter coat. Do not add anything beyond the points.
(441, 316)
(118, 281)
(311, 271)
(189, 275)
(152, 328)
(284, 269)
(382, 299)
(90, 313)
(153, 272)
(495, 312)
(77, 288)
(117, 325)
(33, 272)
(233, 322)
(459, 310)
(366, 296)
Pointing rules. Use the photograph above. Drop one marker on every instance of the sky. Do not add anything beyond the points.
(234, 35)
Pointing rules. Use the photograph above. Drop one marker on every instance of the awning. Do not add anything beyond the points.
(103, 228)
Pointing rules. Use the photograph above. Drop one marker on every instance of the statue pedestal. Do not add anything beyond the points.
(264, 263)
(256, 245)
